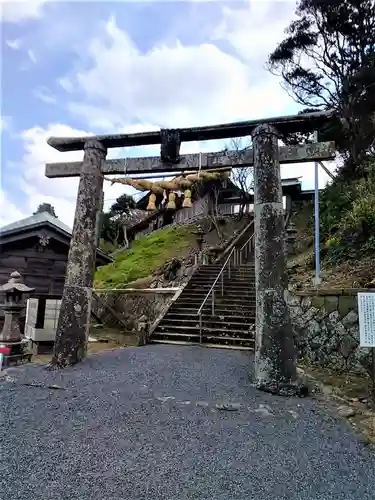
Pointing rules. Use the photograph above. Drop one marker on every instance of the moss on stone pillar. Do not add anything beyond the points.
(74, 318)
(275, 355)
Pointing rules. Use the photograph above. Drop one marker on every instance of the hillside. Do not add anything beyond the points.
(347, 223)
(149, 255)
(349, 274)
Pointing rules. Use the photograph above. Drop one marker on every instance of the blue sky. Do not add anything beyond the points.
(73, 68)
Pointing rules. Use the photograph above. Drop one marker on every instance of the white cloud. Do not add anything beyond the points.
(307, 173)
(45, 95)
(14, 44)
(3, 123)
(253, 32)
(32, 56)
(33, 187)
(123, 89)
(9, 212)
(66, 84)
(15, 11)
(172, 85)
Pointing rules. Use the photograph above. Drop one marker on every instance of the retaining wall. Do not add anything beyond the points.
(326, 325)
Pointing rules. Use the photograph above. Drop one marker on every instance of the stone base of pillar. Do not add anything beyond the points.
(285, 389)
(73, 327)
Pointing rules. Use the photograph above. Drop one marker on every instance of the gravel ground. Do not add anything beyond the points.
(153, 423)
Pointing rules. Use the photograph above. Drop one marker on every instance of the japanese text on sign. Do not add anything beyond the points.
(366, 315)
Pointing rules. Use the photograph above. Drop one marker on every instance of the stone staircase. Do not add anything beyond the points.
(230, 324)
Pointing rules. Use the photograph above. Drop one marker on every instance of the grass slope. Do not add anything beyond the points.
(145, 255)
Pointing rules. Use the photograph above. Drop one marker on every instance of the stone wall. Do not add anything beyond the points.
(327, 329)
(134, 307)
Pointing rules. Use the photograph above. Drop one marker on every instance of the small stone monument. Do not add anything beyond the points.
(199, 234)
(13, 305)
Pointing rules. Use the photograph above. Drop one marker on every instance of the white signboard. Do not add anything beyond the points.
(366, 315)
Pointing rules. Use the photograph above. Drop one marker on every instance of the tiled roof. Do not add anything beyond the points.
(134, 217)
(34, 220)
(37, 219)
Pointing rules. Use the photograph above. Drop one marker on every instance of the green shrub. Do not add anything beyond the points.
(347, 217)
(335, 201)
(144, 256)
(332, 242)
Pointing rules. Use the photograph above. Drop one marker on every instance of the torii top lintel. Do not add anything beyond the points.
(304, 123)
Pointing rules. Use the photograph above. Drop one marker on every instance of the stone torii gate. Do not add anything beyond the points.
(275, 351)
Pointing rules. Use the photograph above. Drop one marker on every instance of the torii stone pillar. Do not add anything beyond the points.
(275, 368)
(75, 312)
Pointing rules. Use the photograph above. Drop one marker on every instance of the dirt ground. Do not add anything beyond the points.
(349, 392)
(104, 339)
(353, 392)
(355, 274)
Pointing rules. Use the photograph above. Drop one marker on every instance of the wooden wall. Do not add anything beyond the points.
(44, 271)
(199, 207)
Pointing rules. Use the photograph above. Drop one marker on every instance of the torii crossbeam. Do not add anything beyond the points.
(206, 161)
(275, 352)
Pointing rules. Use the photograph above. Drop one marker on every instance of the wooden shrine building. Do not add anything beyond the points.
(230, 199)
(37, 247)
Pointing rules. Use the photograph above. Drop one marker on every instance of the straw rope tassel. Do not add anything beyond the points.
(187, 199)
(151, 202)
(171, 203)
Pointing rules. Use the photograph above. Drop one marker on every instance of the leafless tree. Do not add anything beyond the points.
(243, 177)
(214, 215)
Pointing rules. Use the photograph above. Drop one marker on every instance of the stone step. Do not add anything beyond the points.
(207, 337)
(239, 346)
(245, 265)
(220, 264)
(232, 283)
(226, 276)
(227, 292)
(234, 270)
(227, 282)
(208, 333)
(170, 322)
(228, 295)
(227, 317)
(192, 302)
(218, 269)
(208, 272)
(242, 311)
(178, 328)
(230, 287)
(192, 311)
(231, 303)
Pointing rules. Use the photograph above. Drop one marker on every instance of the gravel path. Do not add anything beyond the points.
(150, 423)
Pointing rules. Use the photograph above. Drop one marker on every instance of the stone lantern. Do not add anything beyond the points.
(199, 233)
(13, 305)
(200, 237)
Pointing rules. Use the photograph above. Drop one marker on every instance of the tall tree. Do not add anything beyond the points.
(112, 227)
(122, 205)
(45, 207)
(327, 60)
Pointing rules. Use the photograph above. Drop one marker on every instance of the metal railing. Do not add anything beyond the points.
(236, 257)
(247, 249)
